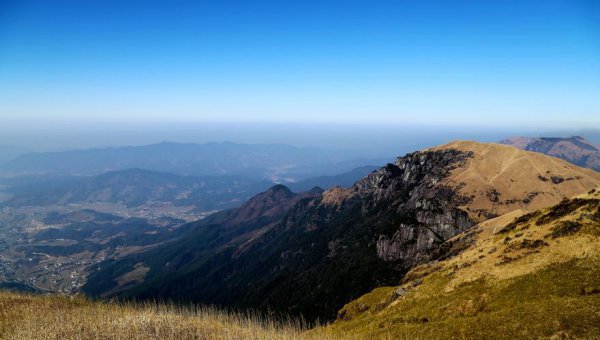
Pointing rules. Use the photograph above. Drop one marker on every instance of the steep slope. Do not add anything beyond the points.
(343, 180)
(576, 150)
(516, 276)
(211, 239)
(331, 249)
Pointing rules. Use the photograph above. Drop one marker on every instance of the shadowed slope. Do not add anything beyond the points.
(530, 276)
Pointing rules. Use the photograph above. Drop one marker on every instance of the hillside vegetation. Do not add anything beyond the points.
(521, 275)
(57, 317)
(518, 276)
(499, 179)
(465, 240)
(321, 252)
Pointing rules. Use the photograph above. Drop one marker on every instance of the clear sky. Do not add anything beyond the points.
(510, 63)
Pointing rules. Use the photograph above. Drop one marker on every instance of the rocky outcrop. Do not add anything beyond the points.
(411, 186)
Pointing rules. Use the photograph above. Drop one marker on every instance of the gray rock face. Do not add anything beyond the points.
(411, 187)
(412, 242)
(401, 291)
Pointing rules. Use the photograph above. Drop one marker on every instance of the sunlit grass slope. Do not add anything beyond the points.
(25, 316)
(530, 276)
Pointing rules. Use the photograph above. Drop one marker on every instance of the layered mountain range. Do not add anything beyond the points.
(151, 190)
(272, 162)
(138, 187)
(313, 252)
(576, 150)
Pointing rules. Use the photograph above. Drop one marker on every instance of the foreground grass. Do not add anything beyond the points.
(536, 277)
(24, 316)
(559, 302)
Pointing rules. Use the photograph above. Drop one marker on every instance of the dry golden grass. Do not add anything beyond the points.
(501, 255)
(335, 196)
(530, 276)
(521, 179)
(24, 316)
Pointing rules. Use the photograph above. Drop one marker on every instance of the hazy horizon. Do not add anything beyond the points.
(362, 140)
(102, 63)
(378, 80)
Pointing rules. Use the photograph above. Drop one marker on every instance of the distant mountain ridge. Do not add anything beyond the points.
(327, 249)
(576, 149)
(9, 153)
(136, 187)
(276, 163)
(326, 182)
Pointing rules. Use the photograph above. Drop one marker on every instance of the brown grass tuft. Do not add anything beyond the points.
(24, 316)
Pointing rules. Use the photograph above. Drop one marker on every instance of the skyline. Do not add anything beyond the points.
(525, 63)
(368, 140)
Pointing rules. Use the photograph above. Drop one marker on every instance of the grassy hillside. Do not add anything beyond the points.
(522, 275)
(499, 179)
(56, 317)
(576, 149)
(535, 275)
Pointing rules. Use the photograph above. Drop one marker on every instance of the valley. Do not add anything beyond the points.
(56, 229)
(51, 249)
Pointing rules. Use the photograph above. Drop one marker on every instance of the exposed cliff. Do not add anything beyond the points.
(534, 275)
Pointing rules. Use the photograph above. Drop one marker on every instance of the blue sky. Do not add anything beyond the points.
(490, 63)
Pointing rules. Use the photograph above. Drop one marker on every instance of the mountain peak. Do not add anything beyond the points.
(276, 201)
(270, 198)
(316, 190)
(280, 188)
(501, 178)
(575, 149)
